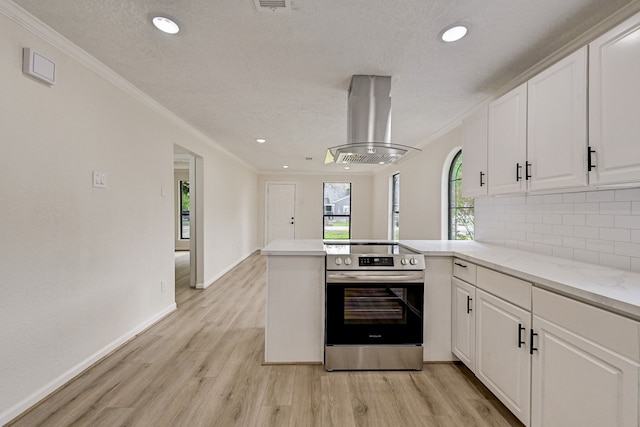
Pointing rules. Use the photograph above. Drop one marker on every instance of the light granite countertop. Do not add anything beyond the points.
(612, 289)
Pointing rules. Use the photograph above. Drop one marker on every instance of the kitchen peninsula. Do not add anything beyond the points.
(577, 325)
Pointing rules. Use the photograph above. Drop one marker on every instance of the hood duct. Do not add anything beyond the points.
(369, 125)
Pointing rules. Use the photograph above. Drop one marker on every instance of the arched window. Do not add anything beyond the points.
(460, 208)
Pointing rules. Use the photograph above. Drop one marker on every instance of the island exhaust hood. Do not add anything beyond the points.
(369, 125)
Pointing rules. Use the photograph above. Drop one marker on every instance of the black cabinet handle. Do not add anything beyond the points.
(460, 265)
(527, 170)
(469, 309)
(590, 165)
(531, 347)
(518, 167)
(481, 176)
(520, 340)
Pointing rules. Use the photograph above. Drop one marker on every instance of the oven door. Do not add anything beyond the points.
(374, 308)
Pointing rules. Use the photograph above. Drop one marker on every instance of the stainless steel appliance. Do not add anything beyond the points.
(374, 307)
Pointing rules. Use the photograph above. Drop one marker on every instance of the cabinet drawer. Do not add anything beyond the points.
(508, 288)
(464, 270)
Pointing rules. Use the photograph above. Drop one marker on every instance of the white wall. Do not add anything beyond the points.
(81, 267)
(309, 203)
(420, 191)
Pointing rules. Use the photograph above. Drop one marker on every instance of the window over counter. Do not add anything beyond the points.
(395, 207)
(337, 210)
(461, 220)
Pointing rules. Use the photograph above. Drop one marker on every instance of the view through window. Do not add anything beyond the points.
(460, 208)
(185, 202)
(337, 210)
(395, 207)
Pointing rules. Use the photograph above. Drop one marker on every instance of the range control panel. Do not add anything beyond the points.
(375, 261)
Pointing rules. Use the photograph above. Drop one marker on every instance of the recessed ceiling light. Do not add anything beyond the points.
(261, 140)
(347, 167)
(453, 33)
(166, 25)
(285, 166)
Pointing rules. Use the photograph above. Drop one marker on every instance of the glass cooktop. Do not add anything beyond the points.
(366, 249)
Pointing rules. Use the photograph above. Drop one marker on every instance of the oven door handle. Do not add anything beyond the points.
(353, 277)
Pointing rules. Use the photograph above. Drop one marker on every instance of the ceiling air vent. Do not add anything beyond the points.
(282, 6)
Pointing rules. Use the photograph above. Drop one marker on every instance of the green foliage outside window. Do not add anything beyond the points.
(461, 220)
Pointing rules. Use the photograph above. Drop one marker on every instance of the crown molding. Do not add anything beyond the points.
(57, 40)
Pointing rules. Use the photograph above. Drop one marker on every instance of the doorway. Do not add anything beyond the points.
(188, 217)
(280, 211)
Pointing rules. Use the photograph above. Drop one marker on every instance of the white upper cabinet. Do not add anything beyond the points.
(557, 125)
(614, 104)
(474, 152)
(507, 142)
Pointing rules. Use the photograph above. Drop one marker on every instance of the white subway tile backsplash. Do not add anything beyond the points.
(615, 208)
(601, 196)
(598, 227)
(600, 220)
(543, 249)
(627, 194)
(563, 208)
(615, 234)
(616, 261)
(552, 219)
(586, 208)
(574, 219)
(586, 232)
(629, 249)
(627, 221)
(602, 246)
(552, 240)
(535, 237)
(549, 199)
(562, 252)
(574, 242)
(586, 256)
(543, 228)
(534, 218)
(563, 230)
(574, 197)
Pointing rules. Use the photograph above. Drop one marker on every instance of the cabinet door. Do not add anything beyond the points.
(614, 102)
(578, 383)
(557, 125)
(508, 142)
(463, 323)
(474, 152)
(503, 362)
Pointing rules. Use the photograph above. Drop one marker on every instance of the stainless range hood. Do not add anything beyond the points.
(369, 125)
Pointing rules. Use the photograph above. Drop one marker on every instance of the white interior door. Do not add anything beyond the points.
(281, 220)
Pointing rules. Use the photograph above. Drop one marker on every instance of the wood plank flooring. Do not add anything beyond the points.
(202, 366)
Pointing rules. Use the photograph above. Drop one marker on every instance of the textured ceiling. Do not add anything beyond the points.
(237, 74)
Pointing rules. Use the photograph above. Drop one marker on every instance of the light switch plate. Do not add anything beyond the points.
(99, 179)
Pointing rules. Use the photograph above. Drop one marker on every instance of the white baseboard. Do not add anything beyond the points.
(223, 272)
(54, 385)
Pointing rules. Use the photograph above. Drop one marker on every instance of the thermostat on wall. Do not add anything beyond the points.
(34, 64)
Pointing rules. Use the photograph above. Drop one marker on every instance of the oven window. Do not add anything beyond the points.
(375, 305)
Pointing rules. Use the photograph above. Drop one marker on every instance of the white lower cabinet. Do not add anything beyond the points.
(577, 381)
(503, 362)
(463, 322)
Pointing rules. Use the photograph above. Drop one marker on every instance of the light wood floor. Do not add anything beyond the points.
(202, 366)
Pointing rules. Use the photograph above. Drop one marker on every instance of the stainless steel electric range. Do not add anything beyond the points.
(374, 307)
